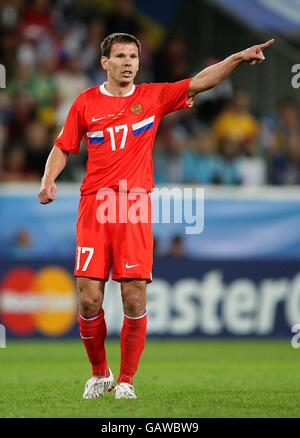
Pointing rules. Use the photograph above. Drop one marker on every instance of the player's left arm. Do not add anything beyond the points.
(214, 74)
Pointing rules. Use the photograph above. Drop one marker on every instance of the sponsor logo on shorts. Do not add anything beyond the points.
(131, 266)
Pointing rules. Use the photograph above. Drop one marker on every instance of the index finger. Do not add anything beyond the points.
(266, 44)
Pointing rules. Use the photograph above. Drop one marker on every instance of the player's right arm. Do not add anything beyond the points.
(67, 142)
(214, 74)
(56, 162)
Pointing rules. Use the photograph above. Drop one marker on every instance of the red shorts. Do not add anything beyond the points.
(114, 232)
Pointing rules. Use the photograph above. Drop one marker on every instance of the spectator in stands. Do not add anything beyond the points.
(292, 169)
(20, 246)
(177, 249)
(201, 163)
(156, 248)
(37, 20)
(285, 166)
(41, 83)
(95, 32)
(171, 157)
(10, 13)
(69, 83)
(5, 117)
(19, 82)
(23, 111)
(228, 170)
(145, 73)
(171, 62)
(280, 134)
(3, 145)
(14, 166)
(8, 49)
(252, 165)
(41, 86)
(123, 19)
(281, 128)
(236, 121)
(160, 160)
(37, 147)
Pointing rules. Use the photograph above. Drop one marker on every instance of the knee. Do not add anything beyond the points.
(89, 307)
(134, 297)
(89, 301)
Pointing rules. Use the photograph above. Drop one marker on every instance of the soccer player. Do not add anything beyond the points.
(118, 121)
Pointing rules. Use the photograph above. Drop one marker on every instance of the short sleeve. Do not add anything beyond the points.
(73, 130)
(174, 96)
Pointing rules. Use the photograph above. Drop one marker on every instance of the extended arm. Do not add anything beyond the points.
(56, 162)
(214, 74)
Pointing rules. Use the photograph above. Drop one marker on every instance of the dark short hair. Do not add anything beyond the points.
(114, 38)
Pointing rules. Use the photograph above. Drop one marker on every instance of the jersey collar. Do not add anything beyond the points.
(103, 90)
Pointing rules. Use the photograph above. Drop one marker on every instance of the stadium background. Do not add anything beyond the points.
(240, 278)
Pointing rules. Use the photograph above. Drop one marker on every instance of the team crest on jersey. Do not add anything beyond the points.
(136, 108)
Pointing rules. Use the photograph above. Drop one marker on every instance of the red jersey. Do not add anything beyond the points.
(119, 132)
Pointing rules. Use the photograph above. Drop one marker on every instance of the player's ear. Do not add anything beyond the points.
(103, 61)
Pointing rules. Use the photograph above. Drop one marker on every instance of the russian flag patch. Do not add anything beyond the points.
(143, 125)
(95, 137)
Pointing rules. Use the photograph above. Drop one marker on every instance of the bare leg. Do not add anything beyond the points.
(91, 294)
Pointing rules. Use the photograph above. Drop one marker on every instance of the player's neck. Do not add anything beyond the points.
(117, 89)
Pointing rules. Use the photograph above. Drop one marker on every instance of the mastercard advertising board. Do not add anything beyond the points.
(37, 301)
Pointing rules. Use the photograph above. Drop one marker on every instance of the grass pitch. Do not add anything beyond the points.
(190, 379)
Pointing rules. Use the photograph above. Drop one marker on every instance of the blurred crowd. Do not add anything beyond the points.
(51, 52)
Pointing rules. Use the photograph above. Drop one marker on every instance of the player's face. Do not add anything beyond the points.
(122, 64)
